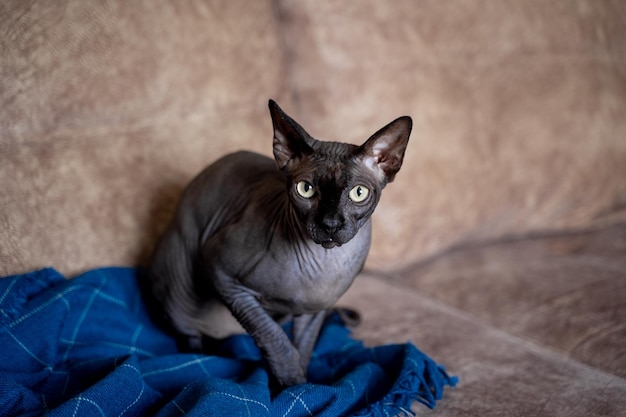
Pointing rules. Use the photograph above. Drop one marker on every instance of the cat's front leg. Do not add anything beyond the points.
(282, 356)
(306, 329)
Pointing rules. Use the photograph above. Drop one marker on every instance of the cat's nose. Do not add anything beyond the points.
(332, 223)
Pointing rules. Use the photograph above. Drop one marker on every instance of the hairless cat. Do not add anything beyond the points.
(256, 239)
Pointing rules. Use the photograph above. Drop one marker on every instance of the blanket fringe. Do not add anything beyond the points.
(421, 380)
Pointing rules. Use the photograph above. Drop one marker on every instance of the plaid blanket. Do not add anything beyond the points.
(87, 346)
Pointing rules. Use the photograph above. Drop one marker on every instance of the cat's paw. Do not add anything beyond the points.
(348, 316)
(287, 369)
(289, 377)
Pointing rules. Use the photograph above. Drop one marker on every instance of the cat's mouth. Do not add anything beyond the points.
(329, 239)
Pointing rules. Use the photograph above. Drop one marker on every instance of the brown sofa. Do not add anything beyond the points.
(500, 249)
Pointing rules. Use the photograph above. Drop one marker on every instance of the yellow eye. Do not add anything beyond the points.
(359, 193)
(305, 189)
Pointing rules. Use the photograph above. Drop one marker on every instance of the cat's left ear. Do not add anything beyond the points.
(383, 152)
(290, 139)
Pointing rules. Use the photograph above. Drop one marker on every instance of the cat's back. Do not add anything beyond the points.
(235, 170)
(227, 181)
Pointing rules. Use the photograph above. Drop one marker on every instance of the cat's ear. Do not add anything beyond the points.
(290, 139)
(383, 152)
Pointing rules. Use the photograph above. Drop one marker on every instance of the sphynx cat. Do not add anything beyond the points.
(255, 240)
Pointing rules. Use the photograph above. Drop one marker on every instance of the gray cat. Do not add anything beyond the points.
(255, 239)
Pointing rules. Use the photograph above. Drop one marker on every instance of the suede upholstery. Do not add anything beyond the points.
(500, 248)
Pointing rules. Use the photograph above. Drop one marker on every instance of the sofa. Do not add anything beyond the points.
(499, 249)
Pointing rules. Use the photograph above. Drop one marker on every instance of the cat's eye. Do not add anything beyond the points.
(305, 189)
(359, 193)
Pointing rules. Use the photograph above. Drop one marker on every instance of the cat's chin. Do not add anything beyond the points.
(329, 244)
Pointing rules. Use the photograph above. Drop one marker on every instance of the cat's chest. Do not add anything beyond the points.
(300, 277)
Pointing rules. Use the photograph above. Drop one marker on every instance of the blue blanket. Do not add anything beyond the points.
(87, 346)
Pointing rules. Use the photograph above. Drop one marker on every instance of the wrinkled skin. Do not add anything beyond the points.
(256, 239)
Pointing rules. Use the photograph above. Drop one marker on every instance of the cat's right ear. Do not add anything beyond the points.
(290, 139)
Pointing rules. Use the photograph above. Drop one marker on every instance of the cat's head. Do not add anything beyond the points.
(334, 187)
